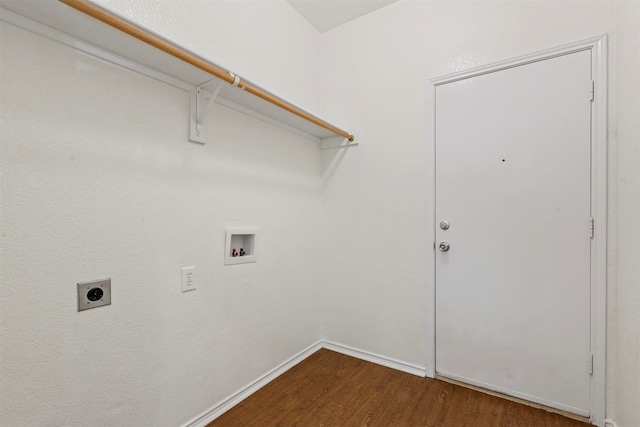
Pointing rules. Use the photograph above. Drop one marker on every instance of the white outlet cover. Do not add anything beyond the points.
(188, 283)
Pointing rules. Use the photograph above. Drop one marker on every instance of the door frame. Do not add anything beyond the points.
(598, 47)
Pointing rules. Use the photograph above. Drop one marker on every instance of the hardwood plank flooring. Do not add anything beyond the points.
(331, 389)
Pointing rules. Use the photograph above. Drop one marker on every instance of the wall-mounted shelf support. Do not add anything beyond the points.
(142, 34)
(335, 142)
(102, 33)
(201, 102)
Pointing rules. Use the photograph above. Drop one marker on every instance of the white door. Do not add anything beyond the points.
(513, 182)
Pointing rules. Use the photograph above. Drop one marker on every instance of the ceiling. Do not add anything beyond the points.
(327, 14)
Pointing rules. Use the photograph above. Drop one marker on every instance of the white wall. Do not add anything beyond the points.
(374, 196)
(625, 213)
(99, 180)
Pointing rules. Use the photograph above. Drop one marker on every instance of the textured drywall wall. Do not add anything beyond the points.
(375, 196)
(625, 359)
(99, 180)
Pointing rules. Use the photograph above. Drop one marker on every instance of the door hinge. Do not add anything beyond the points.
(593, 90)
(592, 226)
(590, 363)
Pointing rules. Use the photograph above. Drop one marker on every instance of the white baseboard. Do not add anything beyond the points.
(229, 402)
(610, 423)
(375, 358)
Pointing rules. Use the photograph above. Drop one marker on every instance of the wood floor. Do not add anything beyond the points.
(331, 389)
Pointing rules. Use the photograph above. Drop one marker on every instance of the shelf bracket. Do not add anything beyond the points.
(334, 142)
(201, 102)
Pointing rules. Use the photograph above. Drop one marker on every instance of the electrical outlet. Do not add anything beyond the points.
(94, 294)
(187, 279)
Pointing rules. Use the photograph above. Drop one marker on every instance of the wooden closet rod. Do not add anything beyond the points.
(115, 22)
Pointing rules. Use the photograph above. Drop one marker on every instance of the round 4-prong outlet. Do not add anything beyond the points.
(95, 294)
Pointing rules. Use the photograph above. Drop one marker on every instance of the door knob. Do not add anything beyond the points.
(444, 246)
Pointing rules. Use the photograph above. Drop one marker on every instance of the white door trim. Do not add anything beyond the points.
(598, 48)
